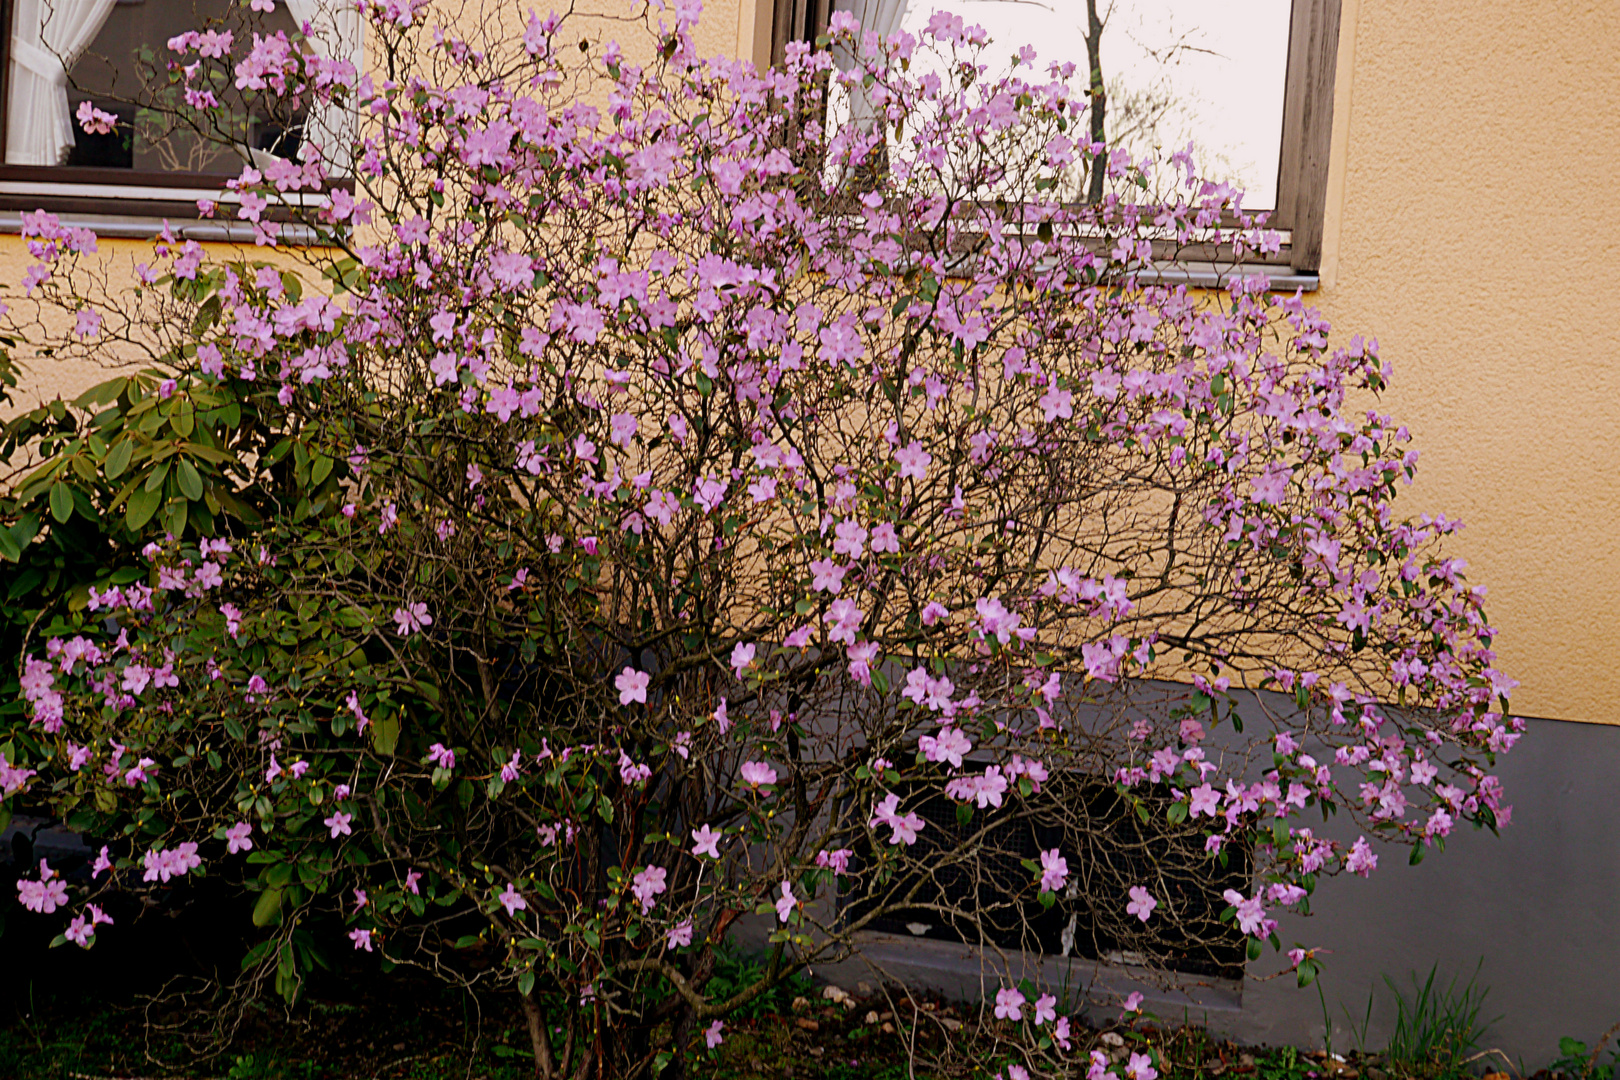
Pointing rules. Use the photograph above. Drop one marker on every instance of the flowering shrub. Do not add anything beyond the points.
(634, 528)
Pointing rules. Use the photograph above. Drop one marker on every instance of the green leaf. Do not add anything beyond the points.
(174, 517)
(526, 983)
(266, 911)
(61, 502)
(385, 735)
(118, 459)
(191, 484)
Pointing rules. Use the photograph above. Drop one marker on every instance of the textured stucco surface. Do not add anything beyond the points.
(1470, 230)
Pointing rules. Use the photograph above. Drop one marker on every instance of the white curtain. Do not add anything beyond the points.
(335, 28)
(47, 37)
(882, 17)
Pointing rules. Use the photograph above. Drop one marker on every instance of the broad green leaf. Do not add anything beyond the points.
(191, 484)
(118, 459)
(142, 505)
(61, 502)
(385, 735)
(268, 909)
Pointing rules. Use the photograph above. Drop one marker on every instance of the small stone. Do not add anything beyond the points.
(1375, 1073)
(817, 1051)
(800, 1003)
(807, 1024)
(834, 994)
(1112, 1038)
(1496, 1076)
(887, 1029)
(871, 1017)
(950, 1024)
(864, 989)
(1245, 1061)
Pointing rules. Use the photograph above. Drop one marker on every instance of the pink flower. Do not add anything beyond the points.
(411, 878)
(836, 861)
(46, 894)
(339, 824)
(412, 618)
(1141, 1068)
(1251, 913)
(1142, 903)
(239, 837)
(1009, 1004)
(708, 841)
(845, 618)
(849, 538)
(948, 746)
(786, 903)
(632, 686)
(94, 121)
(361, 939)
(439, 755)
(1045, 1009)
(1361, 859)
(680, 936)
(757, 774)
(512, 901)
(648, 884)
(712, 1035)
(905, 829)
(913, 461)
(1054, 870)
(742, 656)
(860, 661)
(1133, 1002)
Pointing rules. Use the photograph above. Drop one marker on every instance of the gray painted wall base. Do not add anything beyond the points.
(1538, 909)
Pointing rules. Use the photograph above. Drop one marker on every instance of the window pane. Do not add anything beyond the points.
(1176, 71)
(117, 58)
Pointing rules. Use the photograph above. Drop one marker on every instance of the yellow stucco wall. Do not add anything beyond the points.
(1472, 188)
(1472, 203)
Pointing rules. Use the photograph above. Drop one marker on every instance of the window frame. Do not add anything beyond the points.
(1307, 125)
(123, 194)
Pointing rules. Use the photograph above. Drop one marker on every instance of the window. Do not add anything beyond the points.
(159, 156)
(989, 887)
(1253, 79)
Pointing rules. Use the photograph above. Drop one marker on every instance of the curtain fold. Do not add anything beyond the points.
(882, 17)
(47, 37)
(335, 27)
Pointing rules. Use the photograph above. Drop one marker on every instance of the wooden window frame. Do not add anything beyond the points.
(1307, 127)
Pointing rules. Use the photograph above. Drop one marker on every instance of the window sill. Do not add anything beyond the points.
(1210, 275)
(131, 227)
